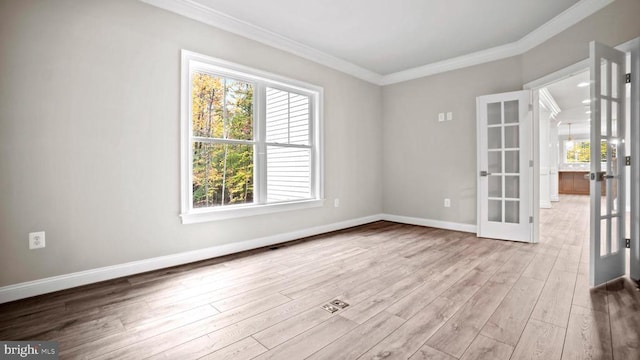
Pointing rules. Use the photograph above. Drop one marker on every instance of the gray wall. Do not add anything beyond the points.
(613, 25)
(426, 161)
(89, 132)
(89, 136)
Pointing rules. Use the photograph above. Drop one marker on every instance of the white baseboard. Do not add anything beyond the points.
(61, 282)
(431, 223)
(545, 204)
(555, 198)
(55, 283)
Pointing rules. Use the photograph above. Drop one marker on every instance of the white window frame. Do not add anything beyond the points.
(564, 152)
(193, 61)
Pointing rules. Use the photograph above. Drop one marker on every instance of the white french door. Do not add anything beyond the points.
(607, 241)
(504, 172)
(634, 151)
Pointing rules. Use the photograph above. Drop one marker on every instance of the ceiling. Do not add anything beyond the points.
(390, 36)
(569, 96)
(385, 41)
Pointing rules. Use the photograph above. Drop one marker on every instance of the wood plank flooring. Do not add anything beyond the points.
(413, 293)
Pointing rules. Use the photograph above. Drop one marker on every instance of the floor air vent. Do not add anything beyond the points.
(339, 303)
(335, 305)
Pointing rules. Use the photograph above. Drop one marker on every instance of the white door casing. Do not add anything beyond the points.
(504, 126)
(634, 266)
(607, 216)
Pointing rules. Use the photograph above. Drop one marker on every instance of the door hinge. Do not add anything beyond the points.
(530, 163)
(627, 160)
(627, 243)
(628, 78)
(530, 107)
(530, 219)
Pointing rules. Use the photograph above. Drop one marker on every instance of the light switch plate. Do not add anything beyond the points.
(440, 116)
(449, 116)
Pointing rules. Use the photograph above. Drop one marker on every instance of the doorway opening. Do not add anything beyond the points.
(564, 128)
(563, 157)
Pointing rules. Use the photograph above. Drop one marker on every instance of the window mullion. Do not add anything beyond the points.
(260, 175)
(288, 117)
(284, 145)
(187, 138)
(314, 150)
(208, 140)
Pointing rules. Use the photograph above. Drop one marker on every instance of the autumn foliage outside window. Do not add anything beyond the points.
(580, 152)
(250, 141)
(223, 146)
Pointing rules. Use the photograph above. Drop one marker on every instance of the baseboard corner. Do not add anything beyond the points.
(447, 225)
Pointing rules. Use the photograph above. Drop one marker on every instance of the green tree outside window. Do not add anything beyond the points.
(222, 110)
(580, 152)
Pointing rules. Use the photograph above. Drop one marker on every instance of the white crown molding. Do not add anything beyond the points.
(478, 57)
(547, 100)
(576, 13)
(207, 15)
(563, 21)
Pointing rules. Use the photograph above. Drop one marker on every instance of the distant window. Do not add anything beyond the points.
(250, 140)
(579, 151)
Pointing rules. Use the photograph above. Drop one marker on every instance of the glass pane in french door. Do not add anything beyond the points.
(503, 139)
(610, 130)
(512, 211)
(607, 210)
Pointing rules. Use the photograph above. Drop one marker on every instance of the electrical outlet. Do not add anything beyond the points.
(449, 116)
(336, 202)
(447, 202)
(36, 240)
(440, 116)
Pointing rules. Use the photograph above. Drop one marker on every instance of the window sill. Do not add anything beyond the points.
(238, 211)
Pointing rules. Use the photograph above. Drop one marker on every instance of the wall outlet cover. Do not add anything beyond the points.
(36, 240)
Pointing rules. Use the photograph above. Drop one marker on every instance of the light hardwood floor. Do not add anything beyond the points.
(413, 293)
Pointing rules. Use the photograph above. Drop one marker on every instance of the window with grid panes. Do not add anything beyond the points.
(250, 141)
